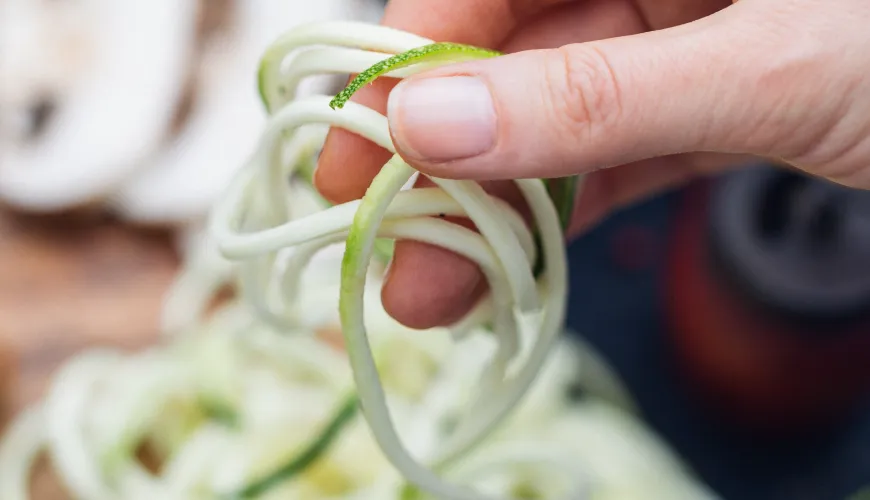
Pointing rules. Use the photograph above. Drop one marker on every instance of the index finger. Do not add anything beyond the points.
(348, 163)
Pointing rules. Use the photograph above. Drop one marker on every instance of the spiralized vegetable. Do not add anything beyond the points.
(236, 409)
(253, 226)
(259, 401)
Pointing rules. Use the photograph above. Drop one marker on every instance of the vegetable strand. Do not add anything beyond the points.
(311, 453)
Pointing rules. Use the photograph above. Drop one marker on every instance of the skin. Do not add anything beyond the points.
(642, 95)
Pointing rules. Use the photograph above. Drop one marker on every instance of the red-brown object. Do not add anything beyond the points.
(8, 371)
(764, 369)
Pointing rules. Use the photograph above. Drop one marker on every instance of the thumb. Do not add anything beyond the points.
(711, 85)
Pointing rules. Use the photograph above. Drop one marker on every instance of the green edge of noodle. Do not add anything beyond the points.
(306, 458)
(261, 81)
(410, 492)
(266, 62)
(219, 412)
(447, 52)
(563, 191)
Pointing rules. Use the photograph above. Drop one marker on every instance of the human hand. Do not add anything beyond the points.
(629, 91)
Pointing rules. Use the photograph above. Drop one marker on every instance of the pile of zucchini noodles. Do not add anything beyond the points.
(258, 401)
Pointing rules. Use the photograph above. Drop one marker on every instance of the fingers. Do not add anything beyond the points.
(556, 112)
(428, 286)
(478, 22)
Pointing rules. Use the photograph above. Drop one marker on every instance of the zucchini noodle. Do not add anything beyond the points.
(262, 399)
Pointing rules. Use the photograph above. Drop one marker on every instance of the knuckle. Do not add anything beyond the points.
(583, 91)
(846, 163)
(837, 143)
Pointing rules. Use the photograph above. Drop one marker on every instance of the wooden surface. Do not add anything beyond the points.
(67, 283)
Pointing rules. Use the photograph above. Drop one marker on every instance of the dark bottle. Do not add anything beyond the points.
(768, 297)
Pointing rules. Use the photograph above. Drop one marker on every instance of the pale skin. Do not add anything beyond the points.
(643, 94)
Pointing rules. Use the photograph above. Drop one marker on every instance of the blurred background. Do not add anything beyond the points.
(737, 309)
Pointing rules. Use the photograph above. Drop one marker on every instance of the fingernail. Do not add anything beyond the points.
(442, 119)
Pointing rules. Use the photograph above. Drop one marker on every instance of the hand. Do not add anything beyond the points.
(630, 90)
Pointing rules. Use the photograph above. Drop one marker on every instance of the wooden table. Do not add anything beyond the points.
(67, 283)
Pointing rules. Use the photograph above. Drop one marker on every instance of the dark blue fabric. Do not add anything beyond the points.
(619, 311)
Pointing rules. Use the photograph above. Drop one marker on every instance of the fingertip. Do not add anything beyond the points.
(428, 286)
(346, 166)
(348, 162)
